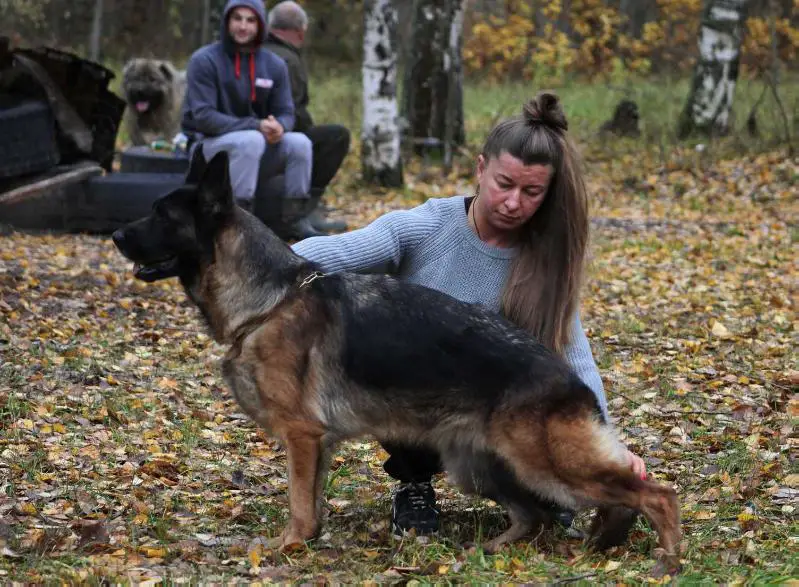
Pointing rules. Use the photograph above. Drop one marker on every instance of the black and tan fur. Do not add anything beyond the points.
(316, 359)
(154, 91)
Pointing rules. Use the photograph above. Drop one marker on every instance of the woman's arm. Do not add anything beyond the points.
(380, 245)
(578, 355)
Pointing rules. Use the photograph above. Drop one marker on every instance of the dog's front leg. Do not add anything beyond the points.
(305, 454)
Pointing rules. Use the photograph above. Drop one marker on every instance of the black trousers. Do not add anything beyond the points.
(411, 464)
(331, 143)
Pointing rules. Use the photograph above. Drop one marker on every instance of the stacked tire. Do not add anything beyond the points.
(115, 199)
(28, 141)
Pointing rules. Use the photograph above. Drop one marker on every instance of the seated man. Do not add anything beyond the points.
(238, 99)
(288, 24)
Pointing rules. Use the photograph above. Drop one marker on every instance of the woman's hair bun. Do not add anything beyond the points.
(545, 109)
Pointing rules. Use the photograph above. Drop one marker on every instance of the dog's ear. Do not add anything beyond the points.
(215, 193)
(167, 70)
(197, 165)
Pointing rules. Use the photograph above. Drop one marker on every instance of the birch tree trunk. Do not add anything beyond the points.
(97, 31)
(453, 69)
(432, 98)
(380, 148)
(709, 104)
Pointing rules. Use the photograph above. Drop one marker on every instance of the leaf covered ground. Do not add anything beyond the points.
(123, 457)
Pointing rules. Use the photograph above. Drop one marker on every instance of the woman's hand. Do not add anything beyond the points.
(637, 465)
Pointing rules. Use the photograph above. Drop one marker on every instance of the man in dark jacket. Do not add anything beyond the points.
(238, 99)
(288, 24)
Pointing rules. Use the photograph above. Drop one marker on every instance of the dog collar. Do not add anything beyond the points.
(309, 279)
(252, 324)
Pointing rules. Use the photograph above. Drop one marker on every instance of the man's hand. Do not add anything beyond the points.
(272, 130)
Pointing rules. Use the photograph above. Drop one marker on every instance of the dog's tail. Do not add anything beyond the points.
(593, 464)
(612, 523)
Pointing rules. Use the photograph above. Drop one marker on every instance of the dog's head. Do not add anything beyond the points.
(146, 83)
(177, 238)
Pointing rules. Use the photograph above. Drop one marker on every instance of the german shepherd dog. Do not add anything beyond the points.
(317, 358)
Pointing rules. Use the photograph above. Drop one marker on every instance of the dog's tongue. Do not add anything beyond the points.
(142, 106)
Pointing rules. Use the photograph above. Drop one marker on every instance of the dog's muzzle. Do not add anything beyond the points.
(148, 271)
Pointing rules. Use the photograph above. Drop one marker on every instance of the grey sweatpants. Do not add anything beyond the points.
(292, 156)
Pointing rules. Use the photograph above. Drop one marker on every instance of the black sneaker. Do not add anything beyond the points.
(562, 516)
(565, 519)
(414, 507)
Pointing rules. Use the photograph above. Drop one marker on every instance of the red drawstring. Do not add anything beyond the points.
(252, 73)
(252, 77)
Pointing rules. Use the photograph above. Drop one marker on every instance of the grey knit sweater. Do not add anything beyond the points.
(434, 245)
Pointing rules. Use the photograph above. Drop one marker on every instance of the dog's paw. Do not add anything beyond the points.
(292, 546)
(667, 565)
(493, 546)
(292, 539)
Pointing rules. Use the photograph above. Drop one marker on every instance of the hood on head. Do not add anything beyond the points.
(256, 6)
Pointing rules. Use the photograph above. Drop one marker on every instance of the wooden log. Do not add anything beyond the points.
(48, 185)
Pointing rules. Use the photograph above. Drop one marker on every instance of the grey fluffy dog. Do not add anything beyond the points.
(154, 90)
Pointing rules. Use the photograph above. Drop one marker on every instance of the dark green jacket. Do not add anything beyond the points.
(298, 74)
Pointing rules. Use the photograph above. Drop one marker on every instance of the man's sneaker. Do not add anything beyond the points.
(414, 508)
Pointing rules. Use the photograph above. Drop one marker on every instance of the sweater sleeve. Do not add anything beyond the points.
(578, 355)
(201, 99)
(379, 245)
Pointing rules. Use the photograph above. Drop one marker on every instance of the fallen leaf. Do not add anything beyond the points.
(792, 480)
(720, 331)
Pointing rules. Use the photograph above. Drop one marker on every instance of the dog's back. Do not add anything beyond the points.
(421, 357)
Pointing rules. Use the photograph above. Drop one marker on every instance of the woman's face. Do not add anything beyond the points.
(510, 191)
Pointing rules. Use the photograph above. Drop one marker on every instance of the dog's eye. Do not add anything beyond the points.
(171, 214)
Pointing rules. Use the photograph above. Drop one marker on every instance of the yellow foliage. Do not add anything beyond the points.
(757, 44)
(592, 38)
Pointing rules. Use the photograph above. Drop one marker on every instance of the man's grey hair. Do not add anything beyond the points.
(288, 16)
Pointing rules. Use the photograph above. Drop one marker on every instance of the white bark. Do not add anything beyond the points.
(381, 134)
(720, 37)
(454, 70)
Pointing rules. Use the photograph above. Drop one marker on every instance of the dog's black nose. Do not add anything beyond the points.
(118, 237)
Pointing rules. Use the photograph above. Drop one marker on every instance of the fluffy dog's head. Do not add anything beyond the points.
(148, 84)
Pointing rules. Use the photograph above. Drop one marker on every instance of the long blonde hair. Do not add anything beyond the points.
(542, 291)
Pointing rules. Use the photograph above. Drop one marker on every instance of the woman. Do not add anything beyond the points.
(517, 246)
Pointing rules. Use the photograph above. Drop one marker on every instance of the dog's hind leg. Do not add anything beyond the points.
(611, 526)
(483, 473)
(522, 522)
